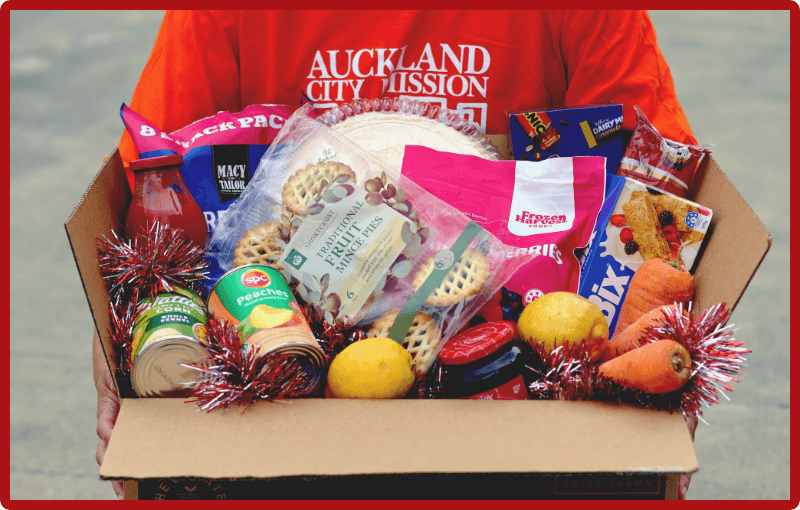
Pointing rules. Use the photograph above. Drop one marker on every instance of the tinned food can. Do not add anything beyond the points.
(170, 331)
(257, 299)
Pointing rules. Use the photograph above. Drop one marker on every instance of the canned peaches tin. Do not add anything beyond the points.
(257, 299)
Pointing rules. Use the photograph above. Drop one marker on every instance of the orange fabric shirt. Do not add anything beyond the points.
(478, 64)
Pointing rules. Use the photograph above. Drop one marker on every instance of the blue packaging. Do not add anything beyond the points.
(614, 185)
(594, 130)
(606, 267)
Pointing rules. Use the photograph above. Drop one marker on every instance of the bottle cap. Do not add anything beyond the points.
(141, 165)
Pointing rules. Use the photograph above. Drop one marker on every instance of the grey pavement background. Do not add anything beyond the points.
(71, 70)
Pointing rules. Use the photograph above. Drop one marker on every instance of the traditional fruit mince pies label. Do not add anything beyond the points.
(347, 244)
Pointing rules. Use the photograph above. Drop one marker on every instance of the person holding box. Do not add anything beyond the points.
(476, 64)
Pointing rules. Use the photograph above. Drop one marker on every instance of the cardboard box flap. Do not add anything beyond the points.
(101, 210)
(738, 242)
(168, 438)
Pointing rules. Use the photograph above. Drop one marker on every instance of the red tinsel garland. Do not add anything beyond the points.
(331, 338)
(716, 358)
(566, 373)
(161, 258)
(236, 374)
(133, 270)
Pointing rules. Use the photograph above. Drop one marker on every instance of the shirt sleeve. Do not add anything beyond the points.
(613, 56)
(192, 73)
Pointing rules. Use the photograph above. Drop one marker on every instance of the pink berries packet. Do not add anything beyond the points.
(546, 208)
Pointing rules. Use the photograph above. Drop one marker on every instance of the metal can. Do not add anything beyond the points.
(258, 300)
(170, 331)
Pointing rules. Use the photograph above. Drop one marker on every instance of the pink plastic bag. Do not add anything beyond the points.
(547, 208)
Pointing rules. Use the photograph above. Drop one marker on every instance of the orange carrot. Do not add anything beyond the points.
(658, 367)
(634, 335)
(654, 284)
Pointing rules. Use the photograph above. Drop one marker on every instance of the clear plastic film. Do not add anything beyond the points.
(361, 242)
(659, 162)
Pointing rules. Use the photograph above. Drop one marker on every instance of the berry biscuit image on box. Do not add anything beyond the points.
(649, 223)
(644, 223)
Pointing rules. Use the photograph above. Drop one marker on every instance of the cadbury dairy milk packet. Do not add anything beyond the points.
(220, 155)
(545, 208)
(592, 130)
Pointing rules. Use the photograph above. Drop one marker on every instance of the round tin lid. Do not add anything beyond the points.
(143, 165)
(477, 342)
(157, 370)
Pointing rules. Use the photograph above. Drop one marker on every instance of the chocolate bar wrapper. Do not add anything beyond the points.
(594, 130)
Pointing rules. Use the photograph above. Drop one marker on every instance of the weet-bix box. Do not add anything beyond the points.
(614, 185)
(594, 130)
(637, 223)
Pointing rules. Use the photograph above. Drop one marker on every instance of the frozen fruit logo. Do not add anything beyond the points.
(255, 278)
(533, 295)
(540, 220)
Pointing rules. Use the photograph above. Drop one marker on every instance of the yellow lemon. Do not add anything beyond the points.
(564, 318)
(371, 368)
(264, 317)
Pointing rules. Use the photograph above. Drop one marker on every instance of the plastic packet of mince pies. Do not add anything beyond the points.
(361, 242)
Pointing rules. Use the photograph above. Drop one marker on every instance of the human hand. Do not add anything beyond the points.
(107, 405)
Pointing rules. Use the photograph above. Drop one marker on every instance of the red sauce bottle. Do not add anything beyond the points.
(160, 194)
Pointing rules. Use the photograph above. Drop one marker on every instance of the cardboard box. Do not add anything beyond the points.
(328, 448)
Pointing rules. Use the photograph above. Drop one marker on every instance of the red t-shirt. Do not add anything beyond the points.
(475, 64)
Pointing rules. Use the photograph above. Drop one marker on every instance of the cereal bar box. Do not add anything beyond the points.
(594, 130)
(637, 223)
